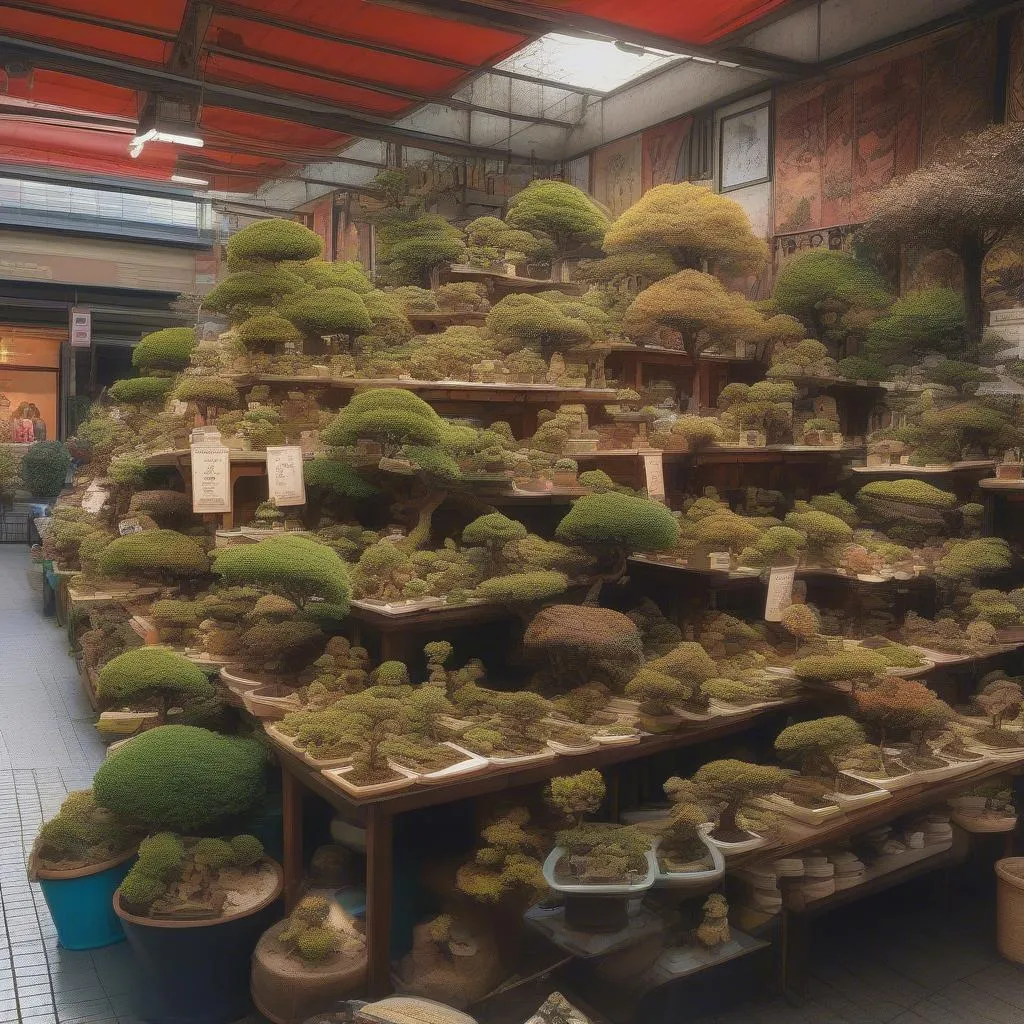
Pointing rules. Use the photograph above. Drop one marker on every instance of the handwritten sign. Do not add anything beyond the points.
(211, 478)
(780, 592)
(95, 498)
(285, 482)
(654, 473)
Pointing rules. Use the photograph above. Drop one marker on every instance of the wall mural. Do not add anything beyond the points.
(745, 148)
(663, 150)
(617, 174)
(838, 142)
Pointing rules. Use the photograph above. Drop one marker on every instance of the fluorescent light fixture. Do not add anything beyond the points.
(137, 144)
(184, 179)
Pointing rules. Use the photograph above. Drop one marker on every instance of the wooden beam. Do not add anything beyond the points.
(83, 18)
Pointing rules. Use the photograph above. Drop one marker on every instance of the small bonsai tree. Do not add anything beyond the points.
(821, 745)
(327, 311)
(560, 212)
(573, 797)
(493, 532)
(1000, 699)
(731, 785)
(81, 832)
(766, 407)
(164, 352)
(506, 865)
(152, 675)
(272, 241)
(726, 531)
(267, 332)
(244, 293)
(168, 508)
(778, 545)
(390, 416)
(182, 778)
(490, 240)
(969, 559)
(293, 567)
(162, 555)
(895, 706)
(673, 679)
(44, 468)
(855, 665)
(529, 321)
(801, 621)
(612, 526)
(141, 391)
(309, 934)
(208, 393)
(825, 534)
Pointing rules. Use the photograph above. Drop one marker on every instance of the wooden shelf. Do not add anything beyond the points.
(511, 283)
(447, 318)
(183, 457)
(442, 617)
(978, 466)
(995, 484)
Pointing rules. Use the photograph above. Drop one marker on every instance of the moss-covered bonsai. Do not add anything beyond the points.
(490, 240)
(671, 685)
(778, 545)
(824, 534)
(80, 836)
(819, 746)
(391, 417)
(612, 526)
(152, 675)
(327, 311)
(141, 391)
(164, 352)
(529, 321)
(163, 556)
(854, 665)
(764, 408)
(182, 778)
(44, 468)
(272, 241)
(208, 393)
(1001, 699)
(731, 785)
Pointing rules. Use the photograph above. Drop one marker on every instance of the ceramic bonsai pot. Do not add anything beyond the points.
(81, 902)
(1009, 470)
(808, 815)
(197, 971)
(693, 879)
(755, 842)
(851, 801)
(288, 991)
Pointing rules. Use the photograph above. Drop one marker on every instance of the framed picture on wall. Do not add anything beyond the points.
(745, 148)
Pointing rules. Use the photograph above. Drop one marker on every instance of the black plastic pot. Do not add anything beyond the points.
(197, 972)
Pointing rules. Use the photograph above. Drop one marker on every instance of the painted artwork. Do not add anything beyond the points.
(1015, 77)
(664, 149)
(837, 153)
(745, 155)
(799, 129)
(617, 174)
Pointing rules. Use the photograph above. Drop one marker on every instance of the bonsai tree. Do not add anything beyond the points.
(524, 320)
(493, 532)
(308, 933)
(918, 324)
(691, 224)
(267, 332)
(732, 785)
(612, 526)
(821, 745)
(506, 865)
(825, 534)
(801, 621)
(272, 241)
(521, 590)
(1000, 699)
(390, 416)
(248, 292)
(81, 832)
(778, 545)
(965, 202)
(44, 468)
(968, 559)
(573, 797)
(165, 352)
(766, 407)
(669, 681)
(141, 391)
(895, 706)
(182, 778)
(855, 665)
(726, 531)
(337, 274)
(561, 212)
(152, 675)
(167, 508)
(208, 393)
(327, 311)
(294, 567)
(490, 240)
(163, 555)
(957, 431)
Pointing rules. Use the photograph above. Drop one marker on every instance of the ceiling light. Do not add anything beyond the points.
(184, 179)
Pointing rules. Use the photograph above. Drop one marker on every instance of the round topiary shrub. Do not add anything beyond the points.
(390, 416)
(273, 240)
(265, 330)
(152, 674)
(328, 311)
(140, 390)
(160, 554)
(44, 468)
(168, 349)
(181, 778)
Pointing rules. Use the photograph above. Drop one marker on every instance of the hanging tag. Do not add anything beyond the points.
(211, 478)
(720, 561)
(285, 482)
(654, 473)
(780, 592)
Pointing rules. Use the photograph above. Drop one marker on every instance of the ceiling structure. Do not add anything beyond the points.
(319, 92)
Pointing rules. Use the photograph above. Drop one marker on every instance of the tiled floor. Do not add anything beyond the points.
(48, 746)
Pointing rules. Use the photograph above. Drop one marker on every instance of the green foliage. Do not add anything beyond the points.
(336, 478)
(855, 663)
(731, 784)
(493, 531)
(181, 777)
(140, 390)
(82, 832)
(140, 890)
(215, 854)
(569, 217)
(524, 320)
(862, 368)
(824, 532)
(964, 377)
(165, 506)
(918, 324)
(489, 239)
(315, 945)
(328, 311)
(168, 349)
(969, 558)
(148, 673)
(207, 392)
(44, 468)
(916, 492)
(160, 553)
(821, 743)
(241, 294)
(273, 240)
(410, 243)
(265, 331)
(835, 505)
(778, 545)
(506, 863)
(619, 520)
(293, 566)
(391, 416)
(339, 274)
(523, 587)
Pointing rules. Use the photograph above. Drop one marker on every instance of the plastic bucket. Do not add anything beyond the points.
(82, 907)
(1010, 908)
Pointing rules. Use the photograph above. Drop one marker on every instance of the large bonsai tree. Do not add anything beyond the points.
(294, 567)
(390, 416)
(612, 526)
(821, 744)
(530, 321)
(182, 778)
(490, 240)
(699, 229)
(162, 555)
(965, 201)
(154, 674)
(561, 212)
(327, 311)
(917, 325)
(272, 241)
(732, 785)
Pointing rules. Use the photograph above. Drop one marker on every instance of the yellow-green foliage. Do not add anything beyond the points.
(168, 349)
(328, 311)
(339, 274)
(855, 663)
(207, 392)
(968, 558)
(140, 390)
(489, 239)
(265, 331)
(778, 545)
(82, 831)
(916, 492)
(569, 217)
(273, 240)
(154, 553)
(574, 796)
(821, 743)
(618, 521)
(241, 294)
(336, 478)
(392, 416)
(523, 587)
(164, 506)
(148, 673)
(524, 320)
(507, 863)
(295, 567)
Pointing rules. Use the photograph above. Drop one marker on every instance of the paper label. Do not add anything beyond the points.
(780, 592)
(127, 526)
(178, 407)
(95, 498)
(654, 472)
(211, 478)
(720, 561)
(285, 482)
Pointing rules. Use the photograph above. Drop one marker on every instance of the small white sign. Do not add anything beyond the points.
(654, 472)
(721, 561)
(780, 592)
(285, 482)
(211, 478)
(178, 407)
(127, 526)
(81, 327)
(95, 498)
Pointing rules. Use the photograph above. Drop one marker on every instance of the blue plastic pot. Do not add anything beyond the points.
(81, 905)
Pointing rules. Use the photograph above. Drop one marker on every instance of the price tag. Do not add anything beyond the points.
(654, 472)
(780, 592)
(211, 478)
(720, 561)
(285, 482)
(127, 526)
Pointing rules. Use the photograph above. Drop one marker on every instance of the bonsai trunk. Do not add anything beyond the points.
(420, 533)
(613, 576)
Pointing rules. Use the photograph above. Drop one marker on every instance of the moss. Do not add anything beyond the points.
(159, 553)
(917, 492)
(140, 390)
(316, 944)
(181, 777)
(965, 559)
(151, 673)
(214, 854)
(835, 505)
(274, 240)
(856, 663)
(336, 478)
(621, 520)
(246, 849)
(82, 832)
(140, 890)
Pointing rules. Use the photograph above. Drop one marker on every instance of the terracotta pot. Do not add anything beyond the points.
(1009, 470)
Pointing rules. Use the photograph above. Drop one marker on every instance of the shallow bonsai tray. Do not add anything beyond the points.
(893, 784)
(522, 760)
(610, 891)
(979, 824)
(692, 879)
(618, 741)
(569, 750)
(808, 815)
(263, 706)
(469, 764)
(997, 753)
(855, 801)
(733, 849)
(336, 776)
(721, 707)
(299, 751)
(399, 608)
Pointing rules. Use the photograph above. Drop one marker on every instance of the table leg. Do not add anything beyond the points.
(379, 883)
(291, 813)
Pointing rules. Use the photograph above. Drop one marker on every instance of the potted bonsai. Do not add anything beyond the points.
(1011, 466)
(686, 858)
(731, 785)
(1001, 699)
(597, 866)
(670, 688)
(194, 905)
(307, 963)
(79, 858)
